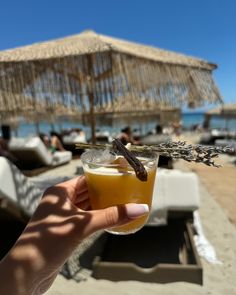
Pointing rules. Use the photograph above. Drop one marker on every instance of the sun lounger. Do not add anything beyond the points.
(174, 191)
(20, 191)
(73, 139)
(31, 152)
(70, 141)
(227, 142)
(17, 193)
(19, 197)
(153, 139)
(103, 137)
(215, 135)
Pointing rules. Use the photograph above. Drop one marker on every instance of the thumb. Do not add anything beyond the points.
(117, 215)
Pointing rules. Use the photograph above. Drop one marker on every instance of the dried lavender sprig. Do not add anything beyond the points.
(178, 150)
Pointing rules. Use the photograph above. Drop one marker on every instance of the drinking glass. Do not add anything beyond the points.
(112, 181)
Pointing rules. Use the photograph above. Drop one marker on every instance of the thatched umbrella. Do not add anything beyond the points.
(130, 109)
(226, 111)
(88, 71)
(11, 112)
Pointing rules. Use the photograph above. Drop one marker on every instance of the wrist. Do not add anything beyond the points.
(22, 264)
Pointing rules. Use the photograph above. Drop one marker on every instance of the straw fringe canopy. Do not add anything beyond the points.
(90, 71)
(227, 111)
(90, 42)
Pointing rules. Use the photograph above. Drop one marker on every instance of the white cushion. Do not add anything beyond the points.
(23, 192)
(61, 157)
(34, 150)
(30, 149)
(17, 189)
(226, 142)
(73, 139)
(174, 190)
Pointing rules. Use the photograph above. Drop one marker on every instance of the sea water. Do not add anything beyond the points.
(189, 120)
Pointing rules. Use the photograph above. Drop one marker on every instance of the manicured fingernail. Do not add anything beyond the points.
(136, 210)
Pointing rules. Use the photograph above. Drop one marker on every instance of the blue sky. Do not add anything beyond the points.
(201, 28)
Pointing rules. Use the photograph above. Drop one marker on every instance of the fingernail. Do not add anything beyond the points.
(136, 210)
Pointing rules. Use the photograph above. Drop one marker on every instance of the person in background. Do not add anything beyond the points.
(177, 127)
(127, 137)
(158, 129)
(77, 132)
(60, 222)
(52, 143)
(56, 142)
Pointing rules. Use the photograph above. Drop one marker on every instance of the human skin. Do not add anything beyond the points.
(61, 221)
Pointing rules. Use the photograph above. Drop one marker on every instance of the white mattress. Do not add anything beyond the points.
(174, 190)
(17, 189)
(33, 149)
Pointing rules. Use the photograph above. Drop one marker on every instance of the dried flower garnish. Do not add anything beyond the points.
(177, 150)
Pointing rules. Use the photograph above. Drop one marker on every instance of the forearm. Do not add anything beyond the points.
(21, 271)
(32, 264)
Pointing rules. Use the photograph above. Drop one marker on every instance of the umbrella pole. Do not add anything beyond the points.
(52, 126)
(91, 97)
(92, 119)
(37, 128)
(16, 132)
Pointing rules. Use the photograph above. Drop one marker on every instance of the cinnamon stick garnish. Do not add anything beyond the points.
(138, 167)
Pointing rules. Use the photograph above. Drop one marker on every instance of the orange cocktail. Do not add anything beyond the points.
(115, 183)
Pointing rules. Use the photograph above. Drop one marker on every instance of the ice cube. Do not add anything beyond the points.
(101, 156)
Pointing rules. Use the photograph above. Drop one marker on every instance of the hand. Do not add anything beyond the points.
(59, 224)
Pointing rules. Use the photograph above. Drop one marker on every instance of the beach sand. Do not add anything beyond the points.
(218, 217)
(220, 182)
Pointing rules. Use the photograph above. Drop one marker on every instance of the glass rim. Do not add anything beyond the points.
(154, 157)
